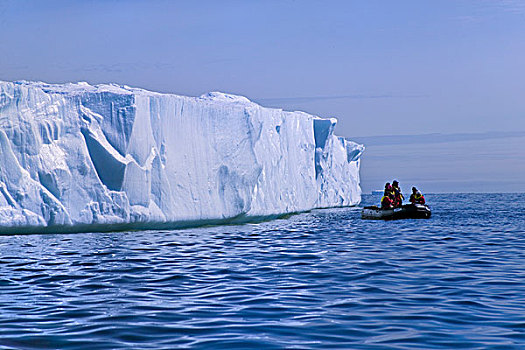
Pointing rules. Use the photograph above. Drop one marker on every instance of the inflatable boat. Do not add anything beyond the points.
(407, 211)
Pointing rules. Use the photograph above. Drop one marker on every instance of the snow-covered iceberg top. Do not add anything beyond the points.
(77, 157)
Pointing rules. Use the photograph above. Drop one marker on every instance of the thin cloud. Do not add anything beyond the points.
(512, 6)
(389, 140)
(123, 67)
(307, 99)
(471, 19)
(490, 9)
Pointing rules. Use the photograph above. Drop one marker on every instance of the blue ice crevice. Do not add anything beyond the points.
(323, 129)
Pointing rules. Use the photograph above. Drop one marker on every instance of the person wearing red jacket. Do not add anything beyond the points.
(398, 196)
(387, 202)
(416, 197)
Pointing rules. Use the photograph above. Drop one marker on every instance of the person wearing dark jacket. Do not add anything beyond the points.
(416, 197)
(388, 189)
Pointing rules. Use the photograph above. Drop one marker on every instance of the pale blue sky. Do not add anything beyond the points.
(381, 67)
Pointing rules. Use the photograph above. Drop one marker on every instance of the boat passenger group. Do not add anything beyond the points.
(393, 198)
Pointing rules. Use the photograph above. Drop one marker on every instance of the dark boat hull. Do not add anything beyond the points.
(408, 211)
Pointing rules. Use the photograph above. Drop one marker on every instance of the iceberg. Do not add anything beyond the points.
(76, 157)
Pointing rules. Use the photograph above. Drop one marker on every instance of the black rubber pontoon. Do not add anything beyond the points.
(407, 211)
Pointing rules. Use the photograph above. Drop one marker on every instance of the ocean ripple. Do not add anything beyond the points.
(315, 280)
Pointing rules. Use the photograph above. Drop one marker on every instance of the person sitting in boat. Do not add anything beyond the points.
(389, 191)
(398, 196)
(387, 201)
(416, 197)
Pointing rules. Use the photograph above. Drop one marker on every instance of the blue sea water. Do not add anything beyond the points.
(324, 279)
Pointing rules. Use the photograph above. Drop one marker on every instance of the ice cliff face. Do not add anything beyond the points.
(80, 157)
